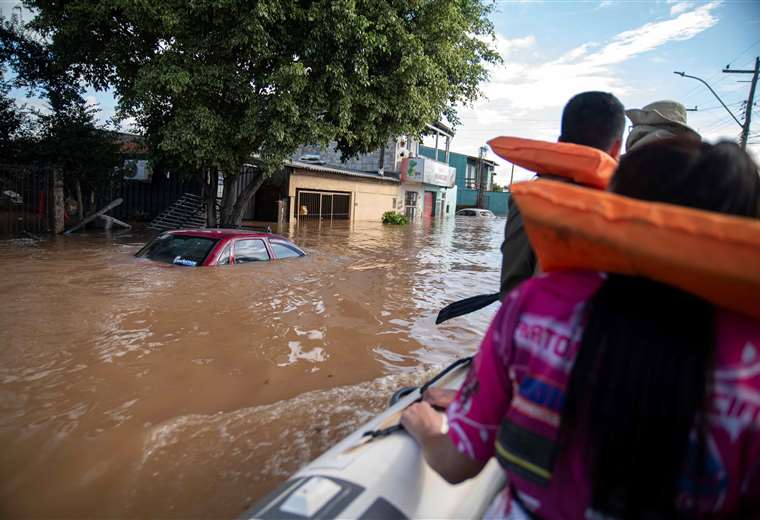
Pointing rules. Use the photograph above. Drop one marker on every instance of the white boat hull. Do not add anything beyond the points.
(384, 478)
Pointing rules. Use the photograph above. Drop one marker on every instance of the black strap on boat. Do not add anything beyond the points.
(384, 432)
(373, 434)
(458, 363)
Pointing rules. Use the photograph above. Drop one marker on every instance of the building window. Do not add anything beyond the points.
(411, 198)
(471, 177)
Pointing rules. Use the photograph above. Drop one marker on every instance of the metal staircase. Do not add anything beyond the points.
(187, 212)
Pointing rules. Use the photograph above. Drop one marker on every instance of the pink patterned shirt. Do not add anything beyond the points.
(519, 377)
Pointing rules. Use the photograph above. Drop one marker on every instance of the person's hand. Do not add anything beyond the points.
(421, 421)
(439, 397)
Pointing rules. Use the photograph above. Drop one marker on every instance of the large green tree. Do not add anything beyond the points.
(219, 83)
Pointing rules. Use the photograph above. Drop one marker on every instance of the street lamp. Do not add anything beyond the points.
(684, 75)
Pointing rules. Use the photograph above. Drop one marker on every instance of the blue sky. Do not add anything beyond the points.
(553, 49)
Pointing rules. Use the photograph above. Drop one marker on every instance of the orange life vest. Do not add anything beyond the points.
(581, 164)
(714, 256)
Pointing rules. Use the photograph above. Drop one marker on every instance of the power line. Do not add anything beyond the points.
(716, 107)
(742, 52)
(716, 122)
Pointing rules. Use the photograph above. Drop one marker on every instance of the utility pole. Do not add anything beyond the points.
(750, 99)
(483, 184)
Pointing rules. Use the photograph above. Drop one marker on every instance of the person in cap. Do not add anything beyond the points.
(657, 121)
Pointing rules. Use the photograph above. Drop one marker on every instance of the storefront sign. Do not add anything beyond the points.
(426, 170)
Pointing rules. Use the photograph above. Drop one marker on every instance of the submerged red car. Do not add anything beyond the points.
(205, 247)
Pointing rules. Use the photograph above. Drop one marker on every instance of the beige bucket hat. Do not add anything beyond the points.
(658, 120)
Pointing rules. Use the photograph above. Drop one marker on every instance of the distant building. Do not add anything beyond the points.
(321, 184)
(468, 171)
(429, 185)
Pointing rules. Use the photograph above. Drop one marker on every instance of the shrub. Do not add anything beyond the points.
(393, 217)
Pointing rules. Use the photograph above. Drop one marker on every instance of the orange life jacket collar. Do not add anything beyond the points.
(581, 164)
(711, 255)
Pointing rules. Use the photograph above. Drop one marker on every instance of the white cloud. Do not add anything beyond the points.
(504, 46)
(526, 98)
(679, 7)
(34, 103)
(605, 3)
(588, 66)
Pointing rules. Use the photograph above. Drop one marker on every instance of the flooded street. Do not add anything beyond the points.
(130, 388)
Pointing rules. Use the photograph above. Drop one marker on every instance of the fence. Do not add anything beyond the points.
(322, 205)
(27, 203)
(145, 200)
(25, 200)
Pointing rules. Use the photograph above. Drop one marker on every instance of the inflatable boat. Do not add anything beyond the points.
(379, 472)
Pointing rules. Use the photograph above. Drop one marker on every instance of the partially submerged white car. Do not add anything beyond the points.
(475, 212)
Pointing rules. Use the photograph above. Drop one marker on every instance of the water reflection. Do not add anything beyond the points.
(118, 373)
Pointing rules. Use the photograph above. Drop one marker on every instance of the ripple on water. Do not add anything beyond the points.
(99, 348)
(238, 451)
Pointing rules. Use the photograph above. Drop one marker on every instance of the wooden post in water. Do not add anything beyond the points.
(97, 214)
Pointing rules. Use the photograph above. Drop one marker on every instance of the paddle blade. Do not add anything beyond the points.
(466, 306)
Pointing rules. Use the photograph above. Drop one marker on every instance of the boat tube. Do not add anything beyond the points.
(379, 472)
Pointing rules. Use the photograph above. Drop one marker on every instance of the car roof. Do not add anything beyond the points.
(223, 233)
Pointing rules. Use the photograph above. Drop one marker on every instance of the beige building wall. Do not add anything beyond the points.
(369, 198)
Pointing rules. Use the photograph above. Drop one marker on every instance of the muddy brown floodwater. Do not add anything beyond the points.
(129, 388)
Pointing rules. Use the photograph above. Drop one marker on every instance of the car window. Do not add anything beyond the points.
(283, 250)
(252, 250)
(467, 213)
(179, 250)
(224, 258)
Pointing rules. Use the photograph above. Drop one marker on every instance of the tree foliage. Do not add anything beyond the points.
(215, 82)
(72, 139)
(11, 120)
(65, 133)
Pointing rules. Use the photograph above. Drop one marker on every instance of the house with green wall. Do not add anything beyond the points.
(468, 180)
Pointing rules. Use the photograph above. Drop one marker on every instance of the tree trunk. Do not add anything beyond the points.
(212, 181)
(228, 197)
(80, 202)
(235, 215)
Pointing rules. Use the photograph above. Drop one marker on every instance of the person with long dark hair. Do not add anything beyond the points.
(616, 396)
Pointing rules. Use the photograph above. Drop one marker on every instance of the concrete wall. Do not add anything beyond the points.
(368, 162)
(496, 201)
(369, 198)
